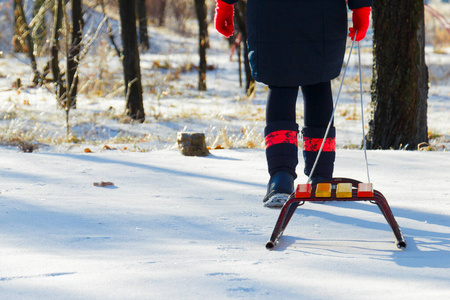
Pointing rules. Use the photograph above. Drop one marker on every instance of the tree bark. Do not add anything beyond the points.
(25, 33)
(19, 45)
(131, 61)
(162, 16)
(74, 52)
(241, 20)
(110, 31)
(40, 27)
(54, 49)
(192, 144)
(400, 76)
(143, 33)
(200, 8)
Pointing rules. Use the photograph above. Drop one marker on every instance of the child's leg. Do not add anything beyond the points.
(281, 144)
(318, 107)
(281, 130)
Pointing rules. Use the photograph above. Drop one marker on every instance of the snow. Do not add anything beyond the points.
(177, 227)
(194, 227)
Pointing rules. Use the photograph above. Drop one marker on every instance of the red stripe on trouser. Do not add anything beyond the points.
(313, 144)
(281, 137)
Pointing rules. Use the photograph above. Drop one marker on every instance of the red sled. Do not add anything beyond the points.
(337, 189)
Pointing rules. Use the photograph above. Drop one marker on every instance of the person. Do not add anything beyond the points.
(292, 44)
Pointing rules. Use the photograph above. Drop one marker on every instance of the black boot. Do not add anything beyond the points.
(282, 159)
(279, 188)
(312, 140)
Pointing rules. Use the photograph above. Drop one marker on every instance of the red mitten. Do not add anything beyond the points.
(223, 20)
(360, 17)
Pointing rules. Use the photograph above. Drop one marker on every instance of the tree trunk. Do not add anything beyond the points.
(25, 38)
(54, 49)
(19, 45)
(238, 43)
(162, 13)
(241, 20)
(400, 76)
(143, 33)
(131, 63)
(39, 28)
(200, 8)
(192, 144)
(74, 52)
(110, 31)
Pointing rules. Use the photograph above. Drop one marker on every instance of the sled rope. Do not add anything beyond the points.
(332, 114)
(362, 112)
(334, 110)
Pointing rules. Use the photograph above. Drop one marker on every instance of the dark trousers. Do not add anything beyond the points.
(281, 120)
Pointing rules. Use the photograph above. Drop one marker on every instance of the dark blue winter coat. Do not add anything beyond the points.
(297, 42)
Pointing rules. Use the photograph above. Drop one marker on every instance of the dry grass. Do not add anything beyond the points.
(240, 126)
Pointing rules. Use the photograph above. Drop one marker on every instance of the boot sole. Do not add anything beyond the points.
(276, 200)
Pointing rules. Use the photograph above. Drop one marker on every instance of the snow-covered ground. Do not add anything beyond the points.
(176, 227)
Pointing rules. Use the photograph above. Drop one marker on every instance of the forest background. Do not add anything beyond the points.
(174, 77)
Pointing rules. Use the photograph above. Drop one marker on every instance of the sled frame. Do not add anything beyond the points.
(292, 203)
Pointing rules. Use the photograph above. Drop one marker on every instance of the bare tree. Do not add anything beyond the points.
(400, 76)
(73, 52)
(110, 31)
(24, 38)
(131, 61)
(200, 8)
(39, 26)
(162, 12)
(156, 11)
(241, 20)
(66, 83)
(142, 18)
(60, 88)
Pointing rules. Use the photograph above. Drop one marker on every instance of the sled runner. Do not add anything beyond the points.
(337, 189)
